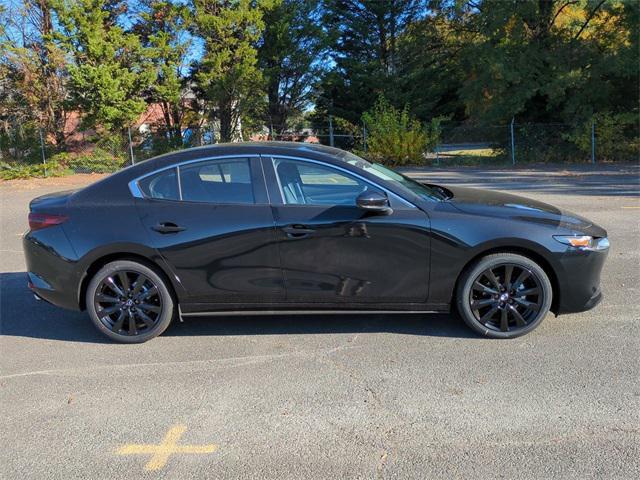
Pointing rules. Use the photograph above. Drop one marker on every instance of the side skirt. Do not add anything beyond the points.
(236, 313)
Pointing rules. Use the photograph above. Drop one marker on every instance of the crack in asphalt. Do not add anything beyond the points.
(231, 362)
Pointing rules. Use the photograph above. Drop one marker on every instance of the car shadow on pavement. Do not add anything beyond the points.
(21, 315)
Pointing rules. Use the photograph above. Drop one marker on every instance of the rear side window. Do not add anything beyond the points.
(162, 185)
(217, 181)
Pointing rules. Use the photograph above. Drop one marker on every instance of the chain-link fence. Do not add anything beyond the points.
(26, 152)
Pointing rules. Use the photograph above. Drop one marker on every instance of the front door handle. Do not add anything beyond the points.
(168, 227)
(297, 231)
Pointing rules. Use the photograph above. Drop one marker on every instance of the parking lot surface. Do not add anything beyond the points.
(372, 396)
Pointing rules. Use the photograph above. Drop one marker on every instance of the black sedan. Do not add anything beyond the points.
(260, 228)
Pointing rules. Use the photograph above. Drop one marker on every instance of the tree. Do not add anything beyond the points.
(162, 29)
(110, 68)
(365, 52)
(543, 60)
(35, 69)
(228, 74)
(290, 56)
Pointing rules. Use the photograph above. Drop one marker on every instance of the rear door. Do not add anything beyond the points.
(212, 223)
(334, 253)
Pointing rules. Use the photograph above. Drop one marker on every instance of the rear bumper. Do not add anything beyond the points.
(51, 273)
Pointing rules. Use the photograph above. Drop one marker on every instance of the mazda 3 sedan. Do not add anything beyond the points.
(263, 228)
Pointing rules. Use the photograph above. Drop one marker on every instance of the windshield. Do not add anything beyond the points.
(394, 177)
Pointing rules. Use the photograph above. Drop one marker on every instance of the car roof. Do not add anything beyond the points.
(316, 151)
(255, 148)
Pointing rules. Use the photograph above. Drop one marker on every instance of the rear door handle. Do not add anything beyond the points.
(297, 231)
(168, 227)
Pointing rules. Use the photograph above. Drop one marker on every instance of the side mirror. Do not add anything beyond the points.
(375, 202)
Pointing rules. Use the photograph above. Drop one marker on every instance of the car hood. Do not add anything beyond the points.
(490, 203)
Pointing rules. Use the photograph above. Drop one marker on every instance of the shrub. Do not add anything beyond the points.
(616, 136)
(12, 171)
(96, 161)
(394, 136)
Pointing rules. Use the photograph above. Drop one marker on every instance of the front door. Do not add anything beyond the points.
(211, 222)
(334, 253)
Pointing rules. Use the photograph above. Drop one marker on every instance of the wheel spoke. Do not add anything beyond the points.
(132, 324)
(476, 304)
(508, 273)
(118, 323)
(521, 278)
(504, 320)
(137, 285)
(146, 318)
(528, 305)
(492, 278)
(101, 297)
(124, 281)
(520, 321)
(108, 311)
(489, 315)
(150, 308)
(530, 291)
(112, 285)
(477, 286)
(152, 291)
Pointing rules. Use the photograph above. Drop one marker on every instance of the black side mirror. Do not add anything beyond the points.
(374, 202)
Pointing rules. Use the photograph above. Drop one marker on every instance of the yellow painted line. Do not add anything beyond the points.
(630, 207)
(169, 446)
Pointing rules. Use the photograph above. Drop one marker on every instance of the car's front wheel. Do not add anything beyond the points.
(129, 302)
(504, 295)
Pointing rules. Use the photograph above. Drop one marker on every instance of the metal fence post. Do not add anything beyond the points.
(331, 130)
(593, 142)
(364, 136)
(44, 158)
(513, 143)
(133, 160)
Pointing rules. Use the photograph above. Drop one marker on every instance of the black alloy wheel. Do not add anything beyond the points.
(129, 302)
(505, 296)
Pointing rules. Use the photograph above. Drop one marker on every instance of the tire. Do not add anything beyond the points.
(129, 302)
(503, 285)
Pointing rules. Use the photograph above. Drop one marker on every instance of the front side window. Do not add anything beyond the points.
(304, 183)
(217, 181)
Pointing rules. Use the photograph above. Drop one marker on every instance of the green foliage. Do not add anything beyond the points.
(13, 171)
(549, 61)
(228, 73)
(290, 57)
(162, 29)
(365, 37)
(96, 161)
(394, 137)
(617, 136)
(110, 68)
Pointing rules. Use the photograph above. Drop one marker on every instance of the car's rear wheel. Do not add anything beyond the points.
(504, 295)
(129, 302)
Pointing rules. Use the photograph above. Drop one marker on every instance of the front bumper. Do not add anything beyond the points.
(578, 280)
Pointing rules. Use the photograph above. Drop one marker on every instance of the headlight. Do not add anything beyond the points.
(584, 242)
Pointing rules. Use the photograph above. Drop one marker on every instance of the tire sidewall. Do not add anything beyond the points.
(168, 303)
(495, 260)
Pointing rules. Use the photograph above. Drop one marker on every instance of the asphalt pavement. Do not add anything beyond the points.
(372, 396)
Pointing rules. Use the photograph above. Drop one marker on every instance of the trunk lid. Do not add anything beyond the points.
(51, 201)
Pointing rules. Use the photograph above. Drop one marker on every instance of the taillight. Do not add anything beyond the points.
(38, 221)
